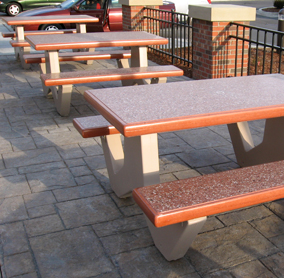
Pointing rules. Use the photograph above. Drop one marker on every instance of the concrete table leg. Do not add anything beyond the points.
(271, 148)
(82, 28)
(134, 165)
(20, 51)
(61, 94)
(139, 58)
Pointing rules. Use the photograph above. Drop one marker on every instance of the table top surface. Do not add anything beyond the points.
(27, 20)
(97, 39)
(146, 109)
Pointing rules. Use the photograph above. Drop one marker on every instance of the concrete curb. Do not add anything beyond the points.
(266, 14)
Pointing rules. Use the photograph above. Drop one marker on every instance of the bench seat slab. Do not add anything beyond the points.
(55, 81)
(39, 32)
(176, 211)
(22, 47)
(79, 56)
(101, 75)
(94, 126)
(182, 200)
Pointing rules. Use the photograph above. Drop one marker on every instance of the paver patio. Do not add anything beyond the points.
(59, 217)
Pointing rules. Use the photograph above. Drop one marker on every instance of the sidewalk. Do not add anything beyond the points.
(59, 217)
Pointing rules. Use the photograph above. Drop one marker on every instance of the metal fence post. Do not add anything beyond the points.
(173, 35)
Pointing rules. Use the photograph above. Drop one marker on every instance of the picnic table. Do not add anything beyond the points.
(137, 41)
(140, 113)
(20, 22)
(177, 210)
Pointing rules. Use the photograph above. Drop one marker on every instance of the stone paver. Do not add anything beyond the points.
(18, 264)
(87, 211)
(31, 157)
(13, 186)
(148, 262)
(74, 253)
(60, 218)
(12, 209)
(13, 239)
(228, 247)
(52, 179)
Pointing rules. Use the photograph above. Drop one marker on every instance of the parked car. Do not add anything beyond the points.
(109, 13)
(14, 7)
(182, 5)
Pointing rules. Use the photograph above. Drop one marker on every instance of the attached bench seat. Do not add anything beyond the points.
(8, 34)
(60, 84)
(101, 75)
(79, 56)
(19, 43)
(22, 46)
(94, 126)
(39, 32)
(176, 211)
(24, 43)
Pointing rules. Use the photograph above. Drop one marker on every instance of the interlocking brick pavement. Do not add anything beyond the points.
(59, 217)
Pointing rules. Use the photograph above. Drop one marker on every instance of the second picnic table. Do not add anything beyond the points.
(137, 41)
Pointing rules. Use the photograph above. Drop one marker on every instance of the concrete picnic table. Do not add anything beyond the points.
(20, 22)
(137, 41)
(139, 113)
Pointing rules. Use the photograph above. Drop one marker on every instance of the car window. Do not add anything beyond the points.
(91, 5)
(68, 4)
(114, 4)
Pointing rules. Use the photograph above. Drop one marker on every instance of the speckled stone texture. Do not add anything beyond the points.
(68, 41)
(27, 20)
(100, 75)
(167, 197)
(182, 105)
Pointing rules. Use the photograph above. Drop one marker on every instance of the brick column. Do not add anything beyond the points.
(133, 14)
(214, 52)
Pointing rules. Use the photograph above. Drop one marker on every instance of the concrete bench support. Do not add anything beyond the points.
(136, 163)
(173, 241)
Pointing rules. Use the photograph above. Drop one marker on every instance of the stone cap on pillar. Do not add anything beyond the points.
(141, 2)
(222, 12)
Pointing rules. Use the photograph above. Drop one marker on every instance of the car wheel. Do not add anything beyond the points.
(13, 9)
(51, 27)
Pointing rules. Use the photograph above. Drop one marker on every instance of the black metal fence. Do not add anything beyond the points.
(177, 28)
(265, 48)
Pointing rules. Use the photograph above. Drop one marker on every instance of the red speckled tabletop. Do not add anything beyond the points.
(98, 39)
(27, 20)
(173, 106)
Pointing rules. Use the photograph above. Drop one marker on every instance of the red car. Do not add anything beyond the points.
(109, 13)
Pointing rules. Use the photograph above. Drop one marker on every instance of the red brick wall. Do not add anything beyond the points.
(214, 53)
(132, 18)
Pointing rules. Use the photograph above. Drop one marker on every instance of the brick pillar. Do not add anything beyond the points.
(133, 14)
(214, 52)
